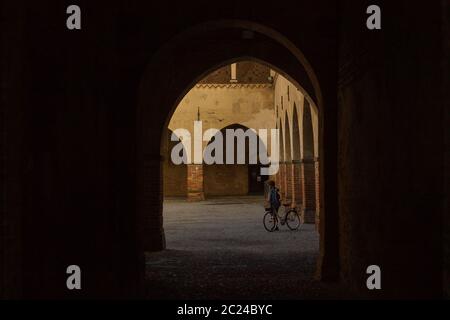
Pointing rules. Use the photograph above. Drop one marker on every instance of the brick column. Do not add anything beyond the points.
(309, 190)
(285, 182)
(316, 165)
(297, 185)
(195, 191)
(289, 183)
(280, 181)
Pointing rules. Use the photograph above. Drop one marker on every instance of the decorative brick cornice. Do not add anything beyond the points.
(233, 85)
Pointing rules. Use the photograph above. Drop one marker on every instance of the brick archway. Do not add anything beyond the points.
(167, 79)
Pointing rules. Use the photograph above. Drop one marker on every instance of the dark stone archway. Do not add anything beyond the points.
(169, 76)
(74, 156)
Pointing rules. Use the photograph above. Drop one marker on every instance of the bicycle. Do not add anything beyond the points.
(291, 217)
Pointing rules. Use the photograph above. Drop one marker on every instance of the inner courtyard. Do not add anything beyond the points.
(219, 249)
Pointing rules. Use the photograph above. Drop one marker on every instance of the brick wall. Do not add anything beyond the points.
(225, 180)
(195, 183)
(175, 180)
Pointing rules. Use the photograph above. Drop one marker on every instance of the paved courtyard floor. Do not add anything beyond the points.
(219, 249)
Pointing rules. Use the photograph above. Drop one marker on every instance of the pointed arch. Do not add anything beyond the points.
(261, 146)
(245, 178)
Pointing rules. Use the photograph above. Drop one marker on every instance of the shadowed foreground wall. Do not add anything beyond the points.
(445, 65)
(70, 104)
(390, 149)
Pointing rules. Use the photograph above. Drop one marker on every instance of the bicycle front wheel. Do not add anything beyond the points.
(293, 220)
(269, 221)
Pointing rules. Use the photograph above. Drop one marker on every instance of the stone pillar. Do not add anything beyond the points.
(309, 190)
(195, 191)
(297, 190)
(316, 165)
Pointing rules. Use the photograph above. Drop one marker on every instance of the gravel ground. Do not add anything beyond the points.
(219, 249)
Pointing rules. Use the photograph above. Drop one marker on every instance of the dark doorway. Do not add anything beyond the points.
(255, 180)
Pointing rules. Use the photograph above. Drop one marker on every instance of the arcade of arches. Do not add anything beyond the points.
(249, 94)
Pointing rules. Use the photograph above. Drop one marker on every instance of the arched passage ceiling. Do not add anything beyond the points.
(188, 57)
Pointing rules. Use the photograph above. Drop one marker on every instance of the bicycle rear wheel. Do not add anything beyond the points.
(269, 221)
(293, 220)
